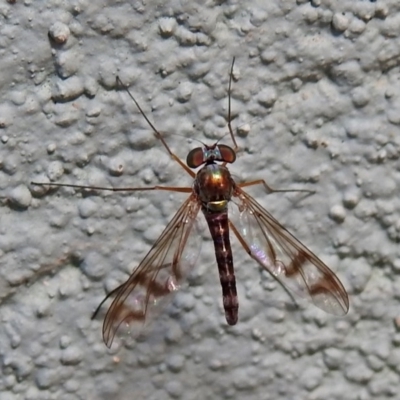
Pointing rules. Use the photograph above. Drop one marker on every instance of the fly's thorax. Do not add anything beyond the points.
(214, 186)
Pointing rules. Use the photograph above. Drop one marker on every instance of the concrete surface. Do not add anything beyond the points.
(316, 102)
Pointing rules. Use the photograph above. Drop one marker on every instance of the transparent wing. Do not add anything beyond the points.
(288, 260)
(158, 275)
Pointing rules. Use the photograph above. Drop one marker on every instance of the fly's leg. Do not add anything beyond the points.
(236, 147)
(269, 189)
(123, 189)
(157, 133)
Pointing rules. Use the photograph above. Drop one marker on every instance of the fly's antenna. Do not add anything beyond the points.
(194, 139)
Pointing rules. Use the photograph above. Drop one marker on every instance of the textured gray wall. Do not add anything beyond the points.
(316, 101)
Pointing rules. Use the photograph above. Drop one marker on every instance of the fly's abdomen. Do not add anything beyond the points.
(219, 229)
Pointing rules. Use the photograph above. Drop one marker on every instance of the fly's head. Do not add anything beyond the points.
(210, 154)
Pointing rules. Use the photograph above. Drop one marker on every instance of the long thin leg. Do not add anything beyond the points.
(157, 133)
(250, 253)
(269, 189)
(236, 147)
(126, 189)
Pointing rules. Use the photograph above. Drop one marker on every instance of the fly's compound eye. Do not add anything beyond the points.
(195, 158)
(227, 154)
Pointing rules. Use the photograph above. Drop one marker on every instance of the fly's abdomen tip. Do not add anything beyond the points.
(231, 316)
(231, 305)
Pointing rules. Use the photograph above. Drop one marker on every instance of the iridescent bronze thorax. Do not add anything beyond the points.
(214, 186)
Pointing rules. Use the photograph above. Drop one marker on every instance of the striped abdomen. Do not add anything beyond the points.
(219, 229)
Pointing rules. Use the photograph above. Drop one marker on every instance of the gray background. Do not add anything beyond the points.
(316, 103)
